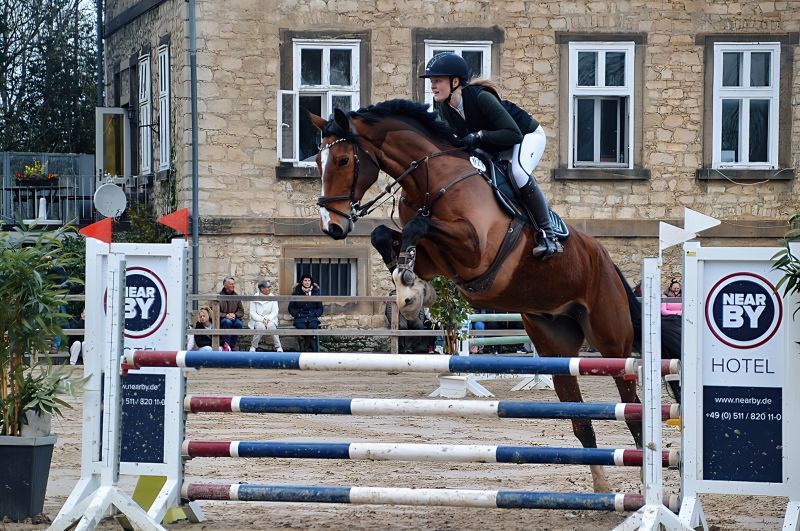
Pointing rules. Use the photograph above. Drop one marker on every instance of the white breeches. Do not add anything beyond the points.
(526, 156)
(75, 352)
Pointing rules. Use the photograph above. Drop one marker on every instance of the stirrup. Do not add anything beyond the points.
(547, 247)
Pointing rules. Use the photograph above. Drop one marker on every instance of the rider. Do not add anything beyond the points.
(482, 120)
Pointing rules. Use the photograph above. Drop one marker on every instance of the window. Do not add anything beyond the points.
(325, 76)
(601, 89)
(163, 109)
(145, 117)
(335, 276)
(745, 106)
(477, 54)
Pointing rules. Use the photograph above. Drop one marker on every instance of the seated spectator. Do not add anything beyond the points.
(672, 308)
(506, 325)
(306, 314)
(203, 342)
(231, 313)
(76, 342)
(477, 325)
(264, 316)
(406, 344)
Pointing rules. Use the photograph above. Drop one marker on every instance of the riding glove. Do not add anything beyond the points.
(472, 140)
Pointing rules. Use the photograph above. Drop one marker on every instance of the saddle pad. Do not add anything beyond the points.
(500, 178)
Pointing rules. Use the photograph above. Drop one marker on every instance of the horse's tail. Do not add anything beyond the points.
(670, 327)
(635, 308)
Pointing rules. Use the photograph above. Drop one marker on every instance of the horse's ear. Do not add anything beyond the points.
(318, 121)
(341, 119)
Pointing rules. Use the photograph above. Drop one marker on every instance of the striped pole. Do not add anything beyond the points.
(421, 497)
(423, 408)
(330, 361)
(448, 453)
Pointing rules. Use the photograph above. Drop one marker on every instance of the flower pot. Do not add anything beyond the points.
(24, 469)
(37, 426)
(37, 182)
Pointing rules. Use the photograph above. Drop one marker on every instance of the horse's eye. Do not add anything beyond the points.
(343, 162)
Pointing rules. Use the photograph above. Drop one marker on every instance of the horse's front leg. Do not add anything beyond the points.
(387, 242)
(412, 291)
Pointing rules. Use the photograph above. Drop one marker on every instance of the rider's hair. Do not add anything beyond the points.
(488, 83)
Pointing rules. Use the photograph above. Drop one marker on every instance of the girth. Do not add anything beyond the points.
(484, 282)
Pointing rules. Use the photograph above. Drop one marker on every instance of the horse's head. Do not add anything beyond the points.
(345, 179)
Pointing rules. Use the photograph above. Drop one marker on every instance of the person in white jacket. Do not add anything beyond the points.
(264, 316)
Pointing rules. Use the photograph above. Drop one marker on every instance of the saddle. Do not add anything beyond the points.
(498, 174)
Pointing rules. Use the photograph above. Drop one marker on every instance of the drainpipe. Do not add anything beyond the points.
(99, 4)
(195, 205)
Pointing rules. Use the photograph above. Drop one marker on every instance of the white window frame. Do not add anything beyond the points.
(600, 91)
(459, 47)
(326, 90)
(164, 110)
(145, 117)
(746, 93)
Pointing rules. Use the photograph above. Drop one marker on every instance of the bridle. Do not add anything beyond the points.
(358, 211)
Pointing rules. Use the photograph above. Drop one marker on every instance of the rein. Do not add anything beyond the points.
(358, 211)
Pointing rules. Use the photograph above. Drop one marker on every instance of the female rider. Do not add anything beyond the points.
(475, 111)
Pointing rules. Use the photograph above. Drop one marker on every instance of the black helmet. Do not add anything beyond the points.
(447, 64)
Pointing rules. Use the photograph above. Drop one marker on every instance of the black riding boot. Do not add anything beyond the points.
(536, 204)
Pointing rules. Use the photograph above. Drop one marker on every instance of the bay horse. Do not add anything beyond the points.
(453, 226)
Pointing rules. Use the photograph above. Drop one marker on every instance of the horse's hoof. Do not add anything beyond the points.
(407, 278)
(599, 481)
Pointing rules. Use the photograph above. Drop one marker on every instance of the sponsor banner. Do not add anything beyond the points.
(743, 321)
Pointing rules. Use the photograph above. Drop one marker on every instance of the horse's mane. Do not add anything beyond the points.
(398, 107)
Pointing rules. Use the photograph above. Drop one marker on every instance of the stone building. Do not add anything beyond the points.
(648, 106)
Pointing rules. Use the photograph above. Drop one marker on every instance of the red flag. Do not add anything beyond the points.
(177, 220)
(99, 231)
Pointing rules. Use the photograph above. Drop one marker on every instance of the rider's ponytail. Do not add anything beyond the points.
(487, 83)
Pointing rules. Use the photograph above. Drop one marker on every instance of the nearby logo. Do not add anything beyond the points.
(743, 310)
(145, 302)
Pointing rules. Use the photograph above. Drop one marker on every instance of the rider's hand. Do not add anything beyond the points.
(471, 140)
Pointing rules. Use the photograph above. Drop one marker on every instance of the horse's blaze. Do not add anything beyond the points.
(410, 299)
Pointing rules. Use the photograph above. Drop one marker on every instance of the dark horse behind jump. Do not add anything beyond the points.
(453, 226)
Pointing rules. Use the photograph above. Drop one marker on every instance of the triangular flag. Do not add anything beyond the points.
(697, 222)
(99, 231)
(669, 235)
(177, 220)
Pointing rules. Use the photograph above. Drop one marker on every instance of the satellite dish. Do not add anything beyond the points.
(110, 200)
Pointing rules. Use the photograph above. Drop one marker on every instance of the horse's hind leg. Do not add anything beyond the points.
(563, 337)
(387, 242)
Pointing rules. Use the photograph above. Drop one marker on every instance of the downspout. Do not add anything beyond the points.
(195, 180)
(99, 4)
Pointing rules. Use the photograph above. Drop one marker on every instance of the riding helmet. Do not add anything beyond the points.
(447, 64)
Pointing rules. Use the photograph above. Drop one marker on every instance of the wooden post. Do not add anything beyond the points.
(215, 324)
(395, 324)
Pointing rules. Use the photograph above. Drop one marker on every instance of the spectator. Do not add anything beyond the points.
(306, 314)
(203, 342)
(672, 308)
(231, 313)
(406, 344)
(264, 316)
(76, 342)
(477, 325)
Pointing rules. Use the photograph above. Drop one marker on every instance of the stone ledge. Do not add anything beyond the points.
(296, 172)
(729, 174)
(600, 174)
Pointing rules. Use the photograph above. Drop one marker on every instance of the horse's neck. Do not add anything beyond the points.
(431, 174)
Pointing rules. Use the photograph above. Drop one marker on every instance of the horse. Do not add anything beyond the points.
(452, 226)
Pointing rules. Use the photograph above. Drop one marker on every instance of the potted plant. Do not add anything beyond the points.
(31, 302)
(451, 310)
(36, 175)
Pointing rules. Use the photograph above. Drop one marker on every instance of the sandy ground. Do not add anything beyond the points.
(724, 513)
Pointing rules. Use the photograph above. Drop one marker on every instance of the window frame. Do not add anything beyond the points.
(164, 108)
(145, 115)
(745, 94)
(325, 90)
(351, 262)
(459, 47)
(600, 91)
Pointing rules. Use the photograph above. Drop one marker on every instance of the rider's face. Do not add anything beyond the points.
(440, 86)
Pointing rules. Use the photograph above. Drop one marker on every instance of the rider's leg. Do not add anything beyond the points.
(527, 155)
